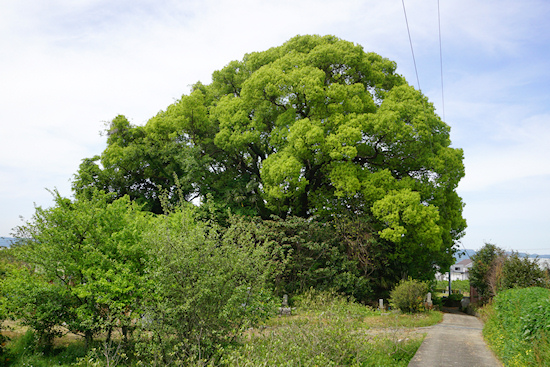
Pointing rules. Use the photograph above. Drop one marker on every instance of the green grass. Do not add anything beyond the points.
(323, 344)
(517, 326)
(327, 330)
(22, 351)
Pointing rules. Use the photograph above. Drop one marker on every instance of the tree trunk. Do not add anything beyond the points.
(89, 338)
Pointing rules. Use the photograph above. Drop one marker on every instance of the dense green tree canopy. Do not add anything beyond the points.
(315, 127)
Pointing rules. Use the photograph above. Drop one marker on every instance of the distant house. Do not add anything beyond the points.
(459, 271)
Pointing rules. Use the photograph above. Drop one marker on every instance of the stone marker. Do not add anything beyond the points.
(285, 310)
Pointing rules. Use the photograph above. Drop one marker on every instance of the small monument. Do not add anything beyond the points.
(285, 310)
(429, 302)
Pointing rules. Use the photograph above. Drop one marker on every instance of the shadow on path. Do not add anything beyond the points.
(456, 341)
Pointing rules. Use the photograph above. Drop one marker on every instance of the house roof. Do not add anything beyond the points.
(464, 262)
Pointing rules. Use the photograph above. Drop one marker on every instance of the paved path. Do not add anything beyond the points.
(457, 341)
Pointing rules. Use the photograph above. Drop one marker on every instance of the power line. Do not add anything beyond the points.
(440, 54)
(441, 62)
(410, 42)
(465, 250)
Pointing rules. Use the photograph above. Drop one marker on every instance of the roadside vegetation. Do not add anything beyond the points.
(324, 329)
(518, 326)
(516, 297)
(328, 330)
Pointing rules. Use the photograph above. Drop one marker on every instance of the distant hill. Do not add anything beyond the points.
(534, 255)
(6, 241)
(466, 254)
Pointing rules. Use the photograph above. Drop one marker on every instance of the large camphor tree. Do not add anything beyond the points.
(316, 127)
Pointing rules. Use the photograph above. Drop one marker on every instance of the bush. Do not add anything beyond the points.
(83, 268)
(25, 351)
(331, 304)
(520, 272)
(24, 345)
(409, 296)
(3, 339)
(322, 344)
(463, 286)
(485, 264)
(208, 284)
(493, 271)
(306, 254)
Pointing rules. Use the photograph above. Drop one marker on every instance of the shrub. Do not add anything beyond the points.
(331, 304)
(463, 286)
(207, 285)
(24, 345)
(3, 313)
(485, 263)
(24, 350)
(306, 254)
(493, 271)
(520, 272)
(337, 343)
(409, 296)
(84, 267)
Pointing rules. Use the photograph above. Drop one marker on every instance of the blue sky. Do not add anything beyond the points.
(67, 67)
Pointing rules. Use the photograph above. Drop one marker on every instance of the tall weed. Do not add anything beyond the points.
(322, 344)
(25, 351)
(330, 303)
(327, 330)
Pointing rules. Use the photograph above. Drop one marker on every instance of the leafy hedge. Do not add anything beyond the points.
(518, 326)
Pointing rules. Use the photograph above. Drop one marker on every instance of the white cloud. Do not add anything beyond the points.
(510, 214)
(67, 66)
(514, 151)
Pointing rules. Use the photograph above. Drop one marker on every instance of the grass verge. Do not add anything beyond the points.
(517, 326)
